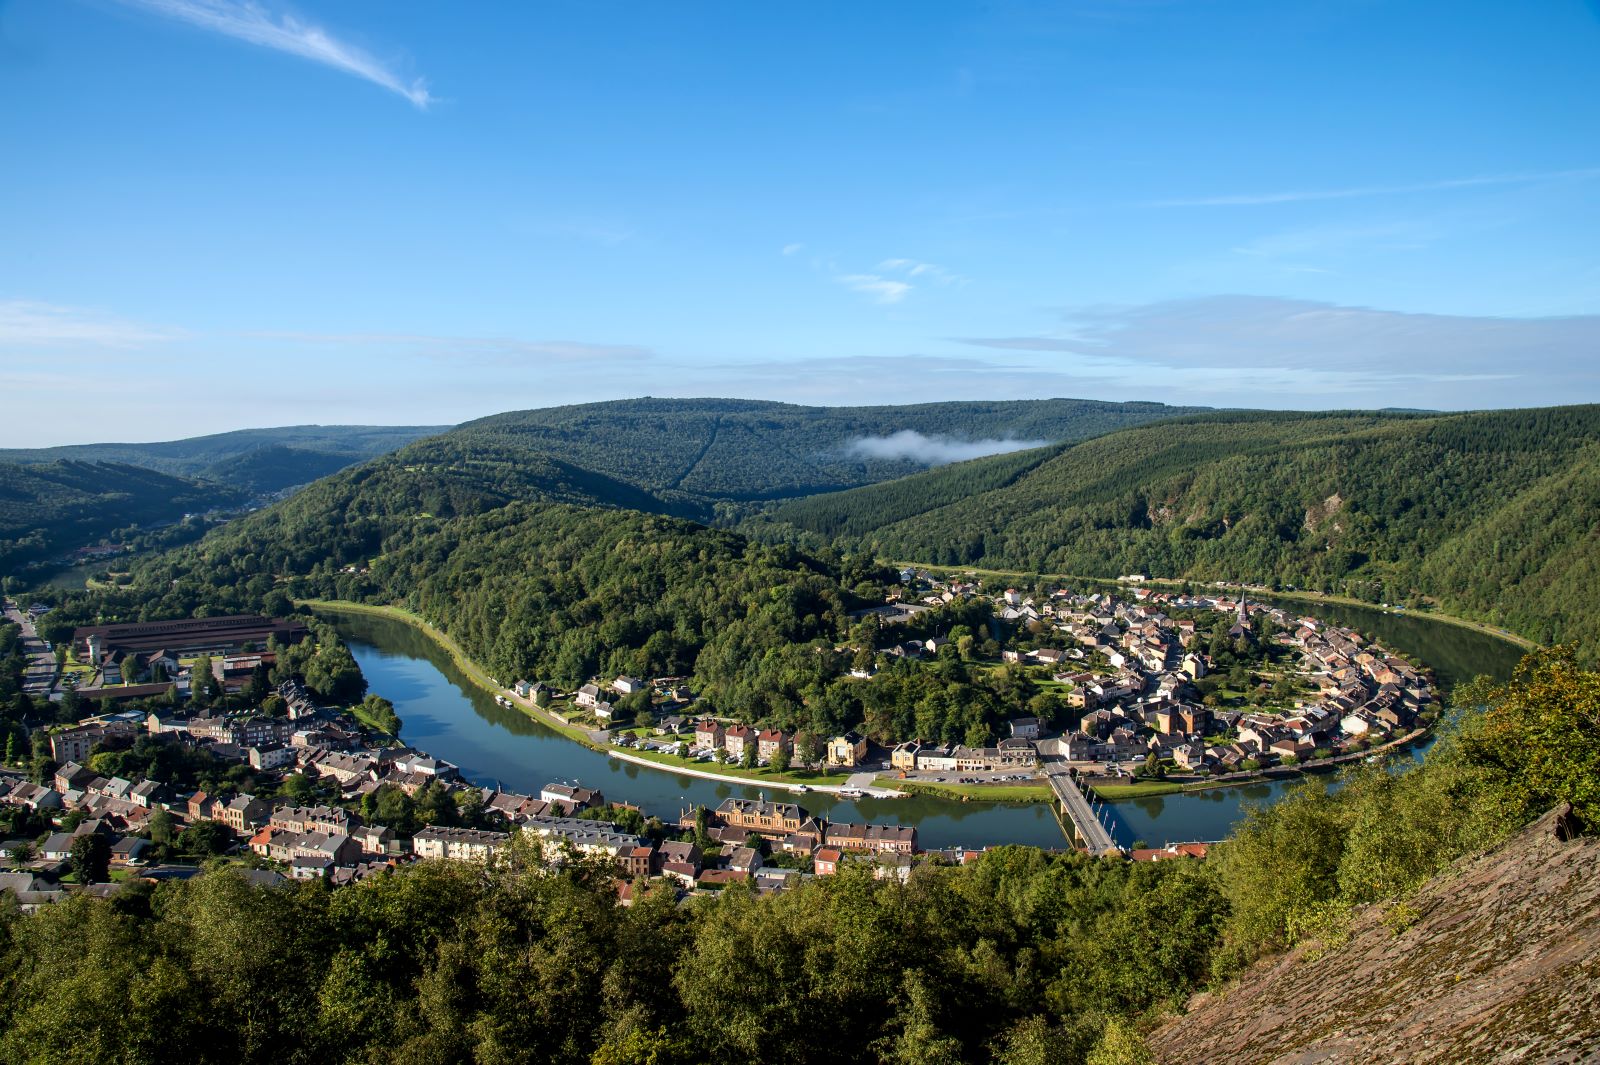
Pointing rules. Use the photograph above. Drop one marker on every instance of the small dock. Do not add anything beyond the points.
(1077, 809)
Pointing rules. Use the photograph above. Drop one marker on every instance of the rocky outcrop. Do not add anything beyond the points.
(1497, 960)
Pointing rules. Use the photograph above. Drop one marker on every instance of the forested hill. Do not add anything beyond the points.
(255, 460)
(1495, 514)
(49, 509)
(529, 588)
(715, 450)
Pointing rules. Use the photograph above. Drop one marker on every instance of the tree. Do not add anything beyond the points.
(161, 826)
(201, 682)
(91, 858)
(920, 1041)
(780, 759)
(298, 788)
(205, 838)
(259, 686)
(1543, 730)
(41, 767)
(749, 758)
(805, 748)
(1120, 1044)
(380, 712)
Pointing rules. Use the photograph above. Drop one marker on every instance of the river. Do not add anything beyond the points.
(448, 716)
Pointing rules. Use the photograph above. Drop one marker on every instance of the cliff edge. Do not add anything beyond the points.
(1496, 960)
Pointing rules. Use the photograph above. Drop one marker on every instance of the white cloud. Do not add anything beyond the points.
(27, 322)
(882, 289)
(915, 268)
(1355, 192)
(1261, 351)
(793, 249)
(247, 21)
(910, 445)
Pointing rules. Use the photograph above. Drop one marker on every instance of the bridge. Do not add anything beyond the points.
(1077, 808)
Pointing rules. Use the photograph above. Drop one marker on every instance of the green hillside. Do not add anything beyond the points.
(275, 467)
(511, 556)
(745, 450)
(256, 460)
(50, 509)
(1492, 513)
(857, 511)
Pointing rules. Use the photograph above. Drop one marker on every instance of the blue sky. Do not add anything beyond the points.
(218, 214)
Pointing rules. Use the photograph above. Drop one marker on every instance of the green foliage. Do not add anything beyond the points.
(1542, 729)
(449, 962)
(49, 510)
(380, 712)
(91, 858)
(858, 511)
(205, 838)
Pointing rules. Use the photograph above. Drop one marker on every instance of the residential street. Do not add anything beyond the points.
(39, 678)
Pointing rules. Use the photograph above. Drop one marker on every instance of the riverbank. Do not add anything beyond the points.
(594, 739)
(1256, 590)
(972, 792)
(1142, 789)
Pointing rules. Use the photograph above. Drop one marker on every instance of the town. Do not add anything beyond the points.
(1136, 678)
(298, 789)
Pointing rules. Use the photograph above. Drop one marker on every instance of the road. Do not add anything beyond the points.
(39, 675)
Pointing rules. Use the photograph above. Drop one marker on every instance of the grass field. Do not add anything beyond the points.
(1039, 792)
(1137, 790)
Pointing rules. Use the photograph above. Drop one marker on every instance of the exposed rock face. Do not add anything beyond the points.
(1497, 960)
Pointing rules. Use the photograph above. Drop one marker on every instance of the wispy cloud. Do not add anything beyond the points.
(248, 21)
(503, 350)
(915, 268)
(880, 288)
(793, 249)
(25, 323)
(1243, 337)
(1358, 191)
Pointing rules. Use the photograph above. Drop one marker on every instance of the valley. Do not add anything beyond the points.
(638, 670)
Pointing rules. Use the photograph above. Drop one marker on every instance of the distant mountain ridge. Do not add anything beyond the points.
(49, 509)
(709, 451)
(255, 460)
(1492, 514)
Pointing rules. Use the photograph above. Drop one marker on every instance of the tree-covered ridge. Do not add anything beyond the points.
(275, 467)
(858, 511)
(1472, 509)
(203, 456)
(744, 450)
(541, 589)
(47, 510)
(364, 511)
